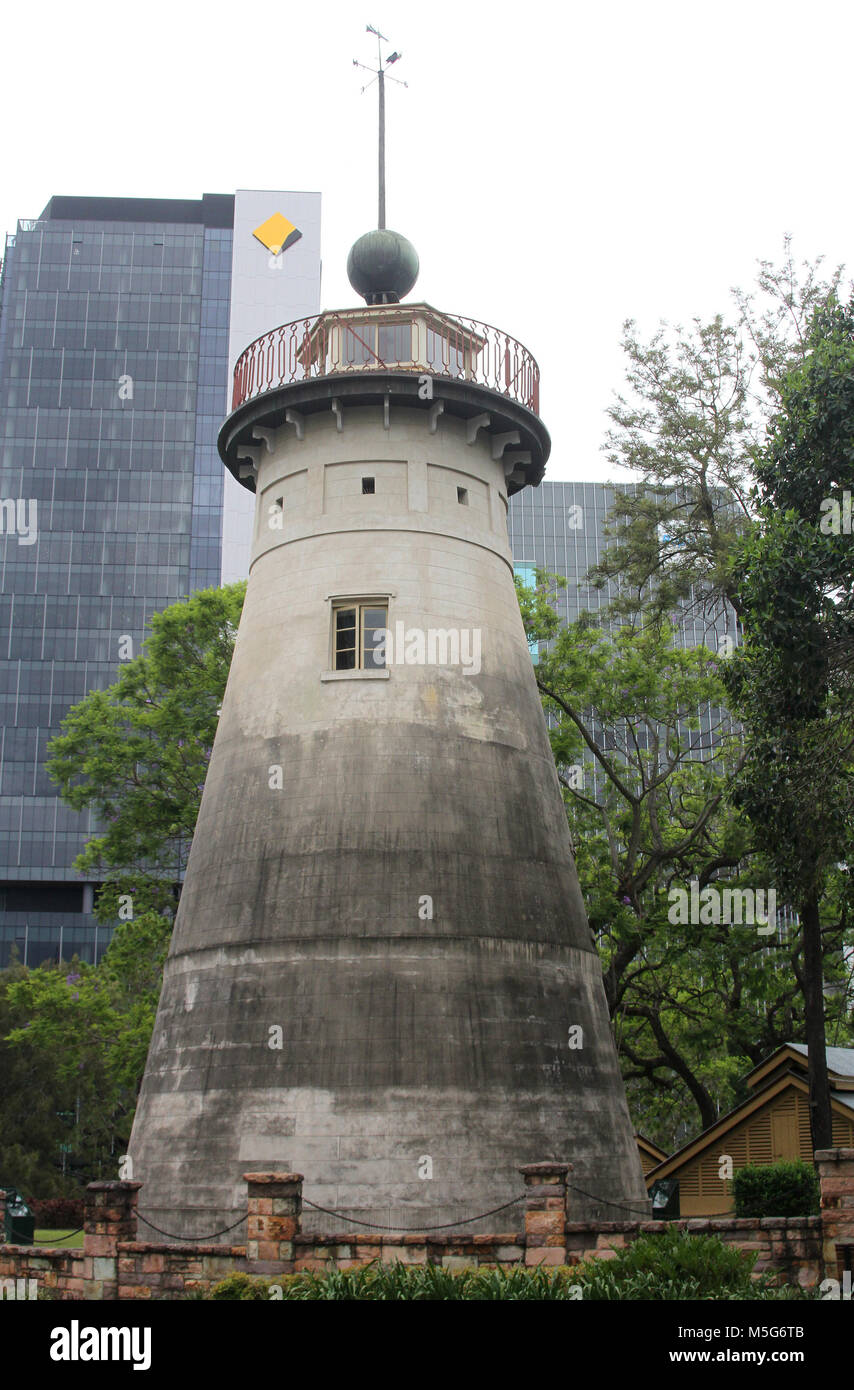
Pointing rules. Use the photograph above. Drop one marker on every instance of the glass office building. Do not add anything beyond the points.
(560, 527)
(115, 359)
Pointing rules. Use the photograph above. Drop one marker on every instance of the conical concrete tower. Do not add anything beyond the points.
(381, 957)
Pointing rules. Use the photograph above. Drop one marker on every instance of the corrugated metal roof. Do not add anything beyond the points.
(839, 1059)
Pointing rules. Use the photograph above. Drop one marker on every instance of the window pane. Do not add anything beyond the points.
(446, 352)
(374, 626)
(345, 639)
(395, 342)
(359, 342)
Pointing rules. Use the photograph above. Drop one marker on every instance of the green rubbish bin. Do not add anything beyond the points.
(20, 1223)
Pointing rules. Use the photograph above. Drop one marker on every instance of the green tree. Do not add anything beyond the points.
(36, 1106)
(137, 753)
(791, 680)
(691, 427)
(688, 426)
(73, 1043)
(694, 1005)
(65, 1025)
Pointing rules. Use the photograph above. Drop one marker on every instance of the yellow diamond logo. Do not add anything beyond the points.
(277, 233)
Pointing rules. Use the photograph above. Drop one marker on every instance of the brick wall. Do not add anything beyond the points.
(454, 1252)
(791, 1245)
(59, 1271)
(148, 1270)
(115, 1265)
(836, 1174)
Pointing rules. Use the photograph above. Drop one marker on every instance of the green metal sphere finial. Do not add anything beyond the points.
(382, 266)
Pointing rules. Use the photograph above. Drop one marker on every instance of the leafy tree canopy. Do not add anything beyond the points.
(136, 754)
(645, 753)
(689, 426)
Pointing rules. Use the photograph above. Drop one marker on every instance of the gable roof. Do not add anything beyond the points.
(654, 1150)
(842, 1104)
(840, 1065)
(839, 1059)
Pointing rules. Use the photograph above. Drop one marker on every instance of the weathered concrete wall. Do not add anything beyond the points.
(405, 1037)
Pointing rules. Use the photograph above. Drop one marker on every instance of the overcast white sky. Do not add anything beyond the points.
(559, 167)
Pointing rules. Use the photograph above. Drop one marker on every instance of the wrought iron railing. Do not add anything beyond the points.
(413, 339)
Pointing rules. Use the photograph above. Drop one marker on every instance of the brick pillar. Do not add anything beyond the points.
(109, 1215)
(274, 1217)
(836, 1175)
(545, 1212)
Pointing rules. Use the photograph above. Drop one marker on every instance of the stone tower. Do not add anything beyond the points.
(381, 947)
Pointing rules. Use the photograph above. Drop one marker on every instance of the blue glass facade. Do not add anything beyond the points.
(528, 576)
(114, 318)
(560, 527)
(211, 395)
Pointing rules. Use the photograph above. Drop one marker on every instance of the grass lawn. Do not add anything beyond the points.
(48, 1237)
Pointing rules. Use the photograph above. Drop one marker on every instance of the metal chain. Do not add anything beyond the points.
(371, 1225)
(189, 1240)
(407, 1230)
(620, 1205)
(58, 1240)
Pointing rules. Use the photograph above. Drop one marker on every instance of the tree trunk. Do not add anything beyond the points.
(819, 1102)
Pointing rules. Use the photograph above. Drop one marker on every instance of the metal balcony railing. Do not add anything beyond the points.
(400, 338)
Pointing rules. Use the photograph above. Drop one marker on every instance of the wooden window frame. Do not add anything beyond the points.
(361, 605)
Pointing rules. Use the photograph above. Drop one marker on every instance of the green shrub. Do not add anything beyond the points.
(653, 1268)
(240, 1286)
(395, 1282)
(778, 1189)
(673, 1265)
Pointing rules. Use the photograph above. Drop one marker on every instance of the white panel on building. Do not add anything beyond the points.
(266, 290)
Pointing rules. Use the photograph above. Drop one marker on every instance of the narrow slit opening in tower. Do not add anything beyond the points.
(368, 485)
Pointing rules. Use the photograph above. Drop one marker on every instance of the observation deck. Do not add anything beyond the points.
(391, 355)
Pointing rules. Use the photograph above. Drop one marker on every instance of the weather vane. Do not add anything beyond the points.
(380, 76)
